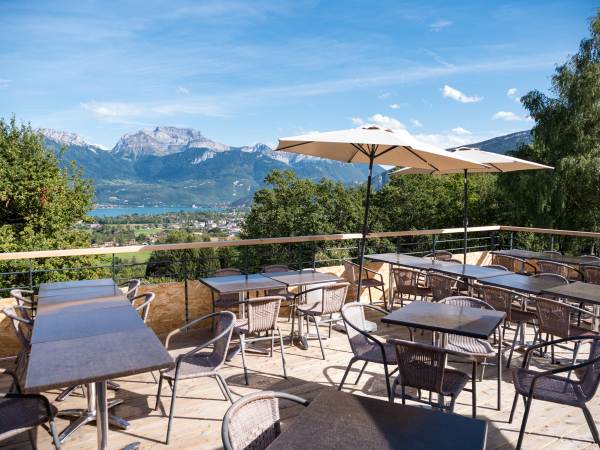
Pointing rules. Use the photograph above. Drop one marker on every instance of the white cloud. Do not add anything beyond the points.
(386, 122)
(461, 130)
(183, 90)
(455, 94)
(395, 106)
(416, 123)
(383, 95)
(439, 25)
(509, 116)
(112, 110)
(357, 121)
(511, 92)
(4, 83)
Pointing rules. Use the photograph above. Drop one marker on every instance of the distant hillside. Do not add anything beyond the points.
(169, 166)
(503, 144)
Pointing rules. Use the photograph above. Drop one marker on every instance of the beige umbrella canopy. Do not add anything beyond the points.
(374, 145)
(490, 162)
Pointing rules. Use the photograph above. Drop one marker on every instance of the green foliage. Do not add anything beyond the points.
(39, 204)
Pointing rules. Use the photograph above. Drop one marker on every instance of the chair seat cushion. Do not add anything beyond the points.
(21, 414)
(454, 382)
(373, 354)
(470, 346)
(579, 331)
(551, 388)
(312, 309)
(197, 365)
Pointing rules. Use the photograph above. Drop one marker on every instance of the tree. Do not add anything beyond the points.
(39, 202)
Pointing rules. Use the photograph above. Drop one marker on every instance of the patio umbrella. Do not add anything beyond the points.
(374, 145)
(490, 162)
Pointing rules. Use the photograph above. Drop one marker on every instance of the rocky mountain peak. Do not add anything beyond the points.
(62, 137)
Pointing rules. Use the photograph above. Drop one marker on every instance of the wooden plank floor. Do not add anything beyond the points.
(200, 405)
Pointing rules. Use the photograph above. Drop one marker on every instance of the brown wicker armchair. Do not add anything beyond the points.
(441, 286)
(198, 363)
(253, 421)
(512, 264)
(132, 288)
(567, 271)
(502, 300)
(440, 255)
(423, 367)
(371, 280)
(551, 387)
(410, 283)
(262, 314)
(591, 273)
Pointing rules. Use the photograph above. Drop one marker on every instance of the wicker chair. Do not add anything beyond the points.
(144, 307)
(551, 387)
(289, 296)
(253, 421)
(558, 319)
(440, 255)
(591, 274)
(24, 298)
(331, 299)
(410, 283)
(502, 300)
(512, 264)
(365, 347)
(132, 288)
(262, 314)
(197, 363)
(371, 280)
(423, 367)
(479, 349)
(588, 259)
(569, 272)
(23, 328)
(551, 276)
(224, 301)
(441, 286)
(21, 413)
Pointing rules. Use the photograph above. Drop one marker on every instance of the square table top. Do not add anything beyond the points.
(338, 420)
(471, 271)
(302, 278)
(564, 259)
(413, 262)
(521, 283)
(585, 292)
(78, 283)
(464, 321)
(241, 283)
(80, 292)
(54, 305)
(392, 258)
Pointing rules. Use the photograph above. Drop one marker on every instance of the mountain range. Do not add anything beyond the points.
(170, 166)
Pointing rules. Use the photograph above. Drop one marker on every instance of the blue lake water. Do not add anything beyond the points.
(152, 210)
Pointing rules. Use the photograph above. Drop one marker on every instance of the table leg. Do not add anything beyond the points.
(390, 284)
(500, 364)
(596, 319)
(101, 416)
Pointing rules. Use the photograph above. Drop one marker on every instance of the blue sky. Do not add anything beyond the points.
(253, 71)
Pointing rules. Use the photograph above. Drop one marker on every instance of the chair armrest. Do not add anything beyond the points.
(372, 272)
(12, 375)
(531, 348)
(569, 368)
(39, 397)
(187, 325)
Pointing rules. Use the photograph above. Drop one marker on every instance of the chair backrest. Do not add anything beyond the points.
(224, 324)
(551, 276)
(552, 252)
(591, 377)
(553, 317)
(253, 421)
(144, 304)
(441, 285)
(350, 271)
(496, 266)
(333, 297)
(132, 288)
(405, 279)
(440, 255)
(275, 268)
(420, 365)
(23, 298)
(353, 315)
(498, 298)
(591, 274)
(469, 302)
(569, 272)
(510, 263)
(22, 324)
(263, 313)
(589, 259)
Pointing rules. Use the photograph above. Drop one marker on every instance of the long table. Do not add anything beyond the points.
(564, 259)
(87, 333)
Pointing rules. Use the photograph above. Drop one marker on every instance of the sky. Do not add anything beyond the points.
(243, 72)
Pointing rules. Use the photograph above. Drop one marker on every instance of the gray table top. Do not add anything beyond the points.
(302, 278)
(75, 293)
(72, 284)
(82, 340)
(472, 322)
(471, 271)
(414, 262)
(521, 283)
(241, 283)
(585, 292)
(337, 420)
(564, 259)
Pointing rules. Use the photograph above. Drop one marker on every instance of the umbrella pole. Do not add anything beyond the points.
(465, 217)
(365, 230)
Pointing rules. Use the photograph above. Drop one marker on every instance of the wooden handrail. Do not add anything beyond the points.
(279, 240)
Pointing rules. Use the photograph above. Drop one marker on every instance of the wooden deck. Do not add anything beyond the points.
(200, 405)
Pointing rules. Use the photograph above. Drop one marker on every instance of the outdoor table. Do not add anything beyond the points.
(581, 292)
(564, 259)
(90, 341)
(46, 287)
(521, 283)
(470, 272)
(337, 420)
(450, 319)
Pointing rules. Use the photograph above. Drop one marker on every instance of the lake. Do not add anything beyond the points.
(151, 210)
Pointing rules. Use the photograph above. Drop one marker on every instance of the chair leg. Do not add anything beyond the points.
(524, 423)
(387, 382)
(590, 421)
(282, 353)
(352, 361)
(224, 388)
(330, 324)
(54, 434)
(513, 408)
(31, 438)
(575, 352)
(272, 342)
(483, 364)
(474, 389)
(514, 343)
(243, 352)
(171, 411)
(361, 372)
(319, 337)
(160, 380)
(403, 392)
(370, 297)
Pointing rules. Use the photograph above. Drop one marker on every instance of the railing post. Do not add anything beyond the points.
(30, 276)
(433, 242)
(185, 293)
(512, 235)
(113, 268)
(493, 241)
(314, 256)
(551, 242)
